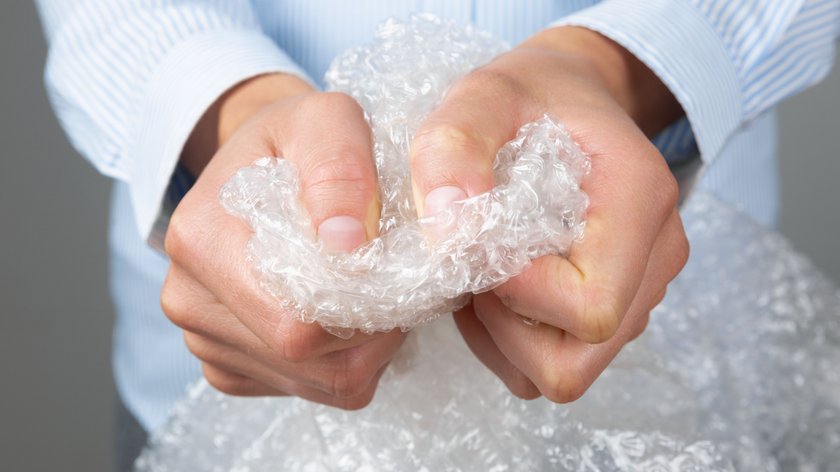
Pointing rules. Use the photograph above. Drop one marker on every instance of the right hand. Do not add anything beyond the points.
(247, 344)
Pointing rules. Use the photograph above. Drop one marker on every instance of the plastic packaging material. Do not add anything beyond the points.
(736, 371)
(415, 270)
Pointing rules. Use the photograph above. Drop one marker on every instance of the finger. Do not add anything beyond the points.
(239, 292)
(192, 307)
(200, 226)
(452, 153)
(329, 141)
(233, 383)
(644, 320)
(589, 293)
(342, 374)
(658, 298)
(195, 309)
(533, 294)
(560, 365)
(482, 345)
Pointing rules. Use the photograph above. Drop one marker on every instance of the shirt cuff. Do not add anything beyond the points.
(682, 48)
(184, 85)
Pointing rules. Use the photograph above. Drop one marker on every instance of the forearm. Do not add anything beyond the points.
(725, 61)
(630, 82)
(131, 108)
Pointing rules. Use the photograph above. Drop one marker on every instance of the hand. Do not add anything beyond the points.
(246, 343)
(593, 302)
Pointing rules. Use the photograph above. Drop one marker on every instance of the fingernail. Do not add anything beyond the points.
(341, 234)
(441, 199)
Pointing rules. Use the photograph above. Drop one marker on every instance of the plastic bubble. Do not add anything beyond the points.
(417, 269)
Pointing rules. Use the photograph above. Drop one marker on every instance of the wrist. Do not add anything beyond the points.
(231, 110)
(629, 81)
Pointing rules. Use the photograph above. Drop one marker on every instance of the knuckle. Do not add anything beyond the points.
(176, 310)
(295, 349)
(563, 386)
(183, 317)
(507, 297)
(186, 241)
(447, 151)
(318, 103)
(226, 382)
(601, 317)
(683, 250)
(336, 99)
(345, 385)
(641, 325)
(296, 341)
(524, 392)
(337, 175)
(445, 139)
(352, 376)
(659, 297)
(522, 387)
(176, 241)
(496, 83)
(357, 402)
(200, 348)
(541, 291)
(169, 302)
(669, 192)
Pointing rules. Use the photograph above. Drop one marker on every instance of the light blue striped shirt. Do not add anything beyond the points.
(129, 80)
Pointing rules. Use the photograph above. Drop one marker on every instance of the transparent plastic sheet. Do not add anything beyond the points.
(416, 270)
(736, 371)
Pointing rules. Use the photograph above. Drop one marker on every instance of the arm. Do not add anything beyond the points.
(139, 85)
(130, 80)
(616, 74)
(724, 61)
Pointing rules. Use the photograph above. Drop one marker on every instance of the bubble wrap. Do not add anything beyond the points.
(736, 371)
(417, 269)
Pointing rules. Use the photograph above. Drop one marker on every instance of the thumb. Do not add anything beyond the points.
(452, 153)
(331, 146)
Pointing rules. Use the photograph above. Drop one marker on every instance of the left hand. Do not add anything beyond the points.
(593, 302)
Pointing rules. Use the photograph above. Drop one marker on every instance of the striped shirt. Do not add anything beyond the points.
(129, 80)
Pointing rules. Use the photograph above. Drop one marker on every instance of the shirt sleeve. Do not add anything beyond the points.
(725, 61)
(129, 80)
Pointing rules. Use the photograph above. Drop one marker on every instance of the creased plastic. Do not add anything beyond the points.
(415, 270)
(736, 371)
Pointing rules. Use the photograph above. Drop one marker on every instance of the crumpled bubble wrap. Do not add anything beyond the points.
(736, 371)
(415, 270)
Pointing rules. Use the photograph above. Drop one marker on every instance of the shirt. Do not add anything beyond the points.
(129, 80)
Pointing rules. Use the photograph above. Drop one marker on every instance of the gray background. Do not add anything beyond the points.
(57, 399)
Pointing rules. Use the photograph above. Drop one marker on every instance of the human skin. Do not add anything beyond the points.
(588, 305)
(247, 344)
(597, 299)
